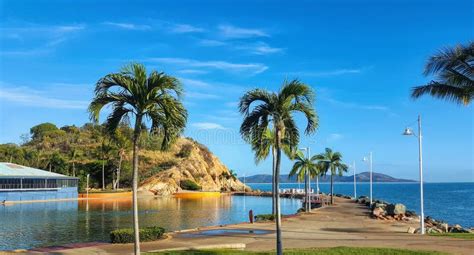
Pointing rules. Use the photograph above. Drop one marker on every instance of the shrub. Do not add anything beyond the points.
(125, 235)
(189, 185)
(264, 217)
(185, 151)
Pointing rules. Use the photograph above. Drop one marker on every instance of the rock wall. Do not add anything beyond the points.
(191, 161)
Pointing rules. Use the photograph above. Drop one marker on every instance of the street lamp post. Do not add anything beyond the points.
(370, 173)
(409, 132)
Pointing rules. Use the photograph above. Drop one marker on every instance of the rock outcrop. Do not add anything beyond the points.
(189, 160)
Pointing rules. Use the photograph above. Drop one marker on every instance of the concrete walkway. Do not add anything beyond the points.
(344, 224)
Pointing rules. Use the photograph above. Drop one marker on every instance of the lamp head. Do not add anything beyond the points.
(408, 131)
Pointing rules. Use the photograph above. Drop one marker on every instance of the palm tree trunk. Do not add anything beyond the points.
(103, 174)
(332, 190)
(73, 169)
(279, 246)
(136, 229)
(308, 188)
(273, 183)
(117, 181)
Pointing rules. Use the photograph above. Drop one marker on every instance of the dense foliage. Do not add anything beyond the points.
(78, 151)
(189, 185)
(125, 235)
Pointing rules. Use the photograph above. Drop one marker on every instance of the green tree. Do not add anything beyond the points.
(454, 71)
(304, 166)
(40, 130)
(132, 93)
(121, 138)
(263, 109)
(331, 161)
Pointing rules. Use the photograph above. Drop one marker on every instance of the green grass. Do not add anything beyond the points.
(468, 236)
(313, 251)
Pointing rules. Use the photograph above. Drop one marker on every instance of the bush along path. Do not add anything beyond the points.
(383, 210)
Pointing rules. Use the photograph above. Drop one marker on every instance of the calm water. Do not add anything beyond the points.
(24, 226)
(451, 202)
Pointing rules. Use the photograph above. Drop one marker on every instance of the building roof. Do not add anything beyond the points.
(14, 170)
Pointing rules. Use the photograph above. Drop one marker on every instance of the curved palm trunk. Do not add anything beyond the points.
(279, 246)
(273, 183)
(332, 189)
(136, 229)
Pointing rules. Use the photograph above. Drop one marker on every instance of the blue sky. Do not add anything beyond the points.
(361, 59)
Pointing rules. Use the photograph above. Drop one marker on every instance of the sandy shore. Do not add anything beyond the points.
(344, 224)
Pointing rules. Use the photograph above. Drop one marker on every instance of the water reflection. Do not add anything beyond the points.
(55, 223)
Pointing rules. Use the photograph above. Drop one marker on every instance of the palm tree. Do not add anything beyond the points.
(132, 93)
(331, 161)
(304, 166)
(262, 146)
(454, 70)
(262, 110)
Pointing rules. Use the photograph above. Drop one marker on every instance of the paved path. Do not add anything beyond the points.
(344, 224)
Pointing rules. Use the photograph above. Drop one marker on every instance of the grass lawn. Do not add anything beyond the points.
(314, 251)
(468, 236)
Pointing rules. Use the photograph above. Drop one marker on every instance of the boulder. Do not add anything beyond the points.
(458, 229)
(396, 209)
(410, 213)
(411, 230)
(433, 230)
(378, 212)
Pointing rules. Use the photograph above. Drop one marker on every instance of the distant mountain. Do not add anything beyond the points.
(361, 177)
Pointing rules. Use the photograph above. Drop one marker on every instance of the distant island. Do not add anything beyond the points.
(361, 177)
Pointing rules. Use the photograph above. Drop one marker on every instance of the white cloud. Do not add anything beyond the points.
(127, 26)
(29, 97)
(335, 72)
(195, 83)
(354, 105)
(207, 125)
(42, 39)
(211, 43)
(232, 32)
(260, 48)
(253, 68)
(200, 95)
(185, 28)
(192, 71)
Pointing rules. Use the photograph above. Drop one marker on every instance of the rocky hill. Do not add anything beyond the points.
(361, 177)
(191, 162)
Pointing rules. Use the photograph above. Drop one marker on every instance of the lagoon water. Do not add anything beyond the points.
(24, 226)
(450, 202)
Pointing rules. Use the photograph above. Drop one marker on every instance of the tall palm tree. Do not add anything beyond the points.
(302, 167)
(454, 70)
(132, 93)
(262, 110)
(331, 161)
(262, 146)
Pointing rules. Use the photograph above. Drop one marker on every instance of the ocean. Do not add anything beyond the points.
(450, 202)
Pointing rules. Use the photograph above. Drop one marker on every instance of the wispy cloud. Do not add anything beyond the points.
(355, 105)
(233, 32)
(253, 68)
(211, 43)
(29, 97)
(260, 48)
(127, 26)
(335, 72)
(201, 95)
(42, 39)
(185, 28)
(207, 125)
(195, 83)
(192, 71)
